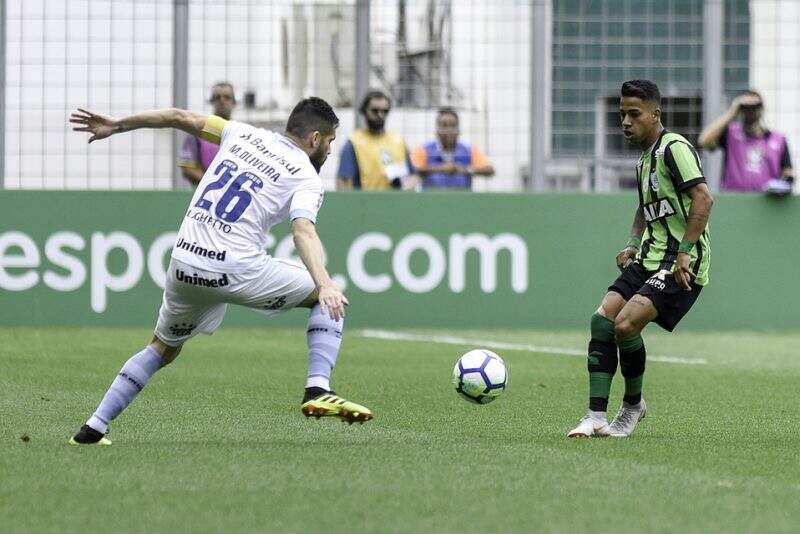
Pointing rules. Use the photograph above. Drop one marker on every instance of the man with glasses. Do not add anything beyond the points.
(374, 159)
(446, 162)
(756, 158)
(197, 153)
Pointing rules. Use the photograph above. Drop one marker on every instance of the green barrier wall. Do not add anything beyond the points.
(407, 260)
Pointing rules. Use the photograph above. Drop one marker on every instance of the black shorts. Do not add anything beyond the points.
(670, 300)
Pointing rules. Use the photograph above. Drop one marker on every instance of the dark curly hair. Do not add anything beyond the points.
(312, 114)
(372, 95)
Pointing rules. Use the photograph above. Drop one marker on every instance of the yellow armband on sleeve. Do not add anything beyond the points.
(212, 130)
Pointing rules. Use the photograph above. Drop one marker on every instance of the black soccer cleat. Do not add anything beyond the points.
(89, 436)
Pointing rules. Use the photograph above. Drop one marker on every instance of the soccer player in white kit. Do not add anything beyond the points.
(257, 179)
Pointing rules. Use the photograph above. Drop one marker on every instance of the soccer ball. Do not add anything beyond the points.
(480, 376)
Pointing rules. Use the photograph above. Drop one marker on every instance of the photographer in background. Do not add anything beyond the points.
(756, 159)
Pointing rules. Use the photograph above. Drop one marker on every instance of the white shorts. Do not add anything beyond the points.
(195, 300)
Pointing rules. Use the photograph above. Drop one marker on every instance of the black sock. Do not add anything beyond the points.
(632, 358)
(602, 366)
(602, 362)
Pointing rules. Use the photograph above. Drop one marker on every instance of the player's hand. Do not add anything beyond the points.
(99, 126)
(625, 257)
(449, 168)
(411, 183)
(332, 301)
(682, 272)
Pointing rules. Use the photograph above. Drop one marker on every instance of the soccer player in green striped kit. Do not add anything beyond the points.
(664, 266)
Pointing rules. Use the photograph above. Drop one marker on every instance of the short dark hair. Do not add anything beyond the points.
(312, 114)
(447, 110)
(229, 85)
(371, 95)
(644, 89)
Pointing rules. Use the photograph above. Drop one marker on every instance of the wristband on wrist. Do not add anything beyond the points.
(686, 247)
(635, 242)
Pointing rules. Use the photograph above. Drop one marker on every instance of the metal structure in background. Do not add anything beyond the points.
(424, 67)
(530, 78)
(180, 77)
(362, 61)
(690, 48)
(539, 75)
(713, 39)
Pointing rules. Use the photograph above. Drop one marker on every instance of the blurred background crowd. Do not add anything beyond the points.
(481, 95)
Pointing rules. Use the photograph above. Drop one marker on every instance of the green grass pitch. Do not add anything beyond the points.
(217, 442)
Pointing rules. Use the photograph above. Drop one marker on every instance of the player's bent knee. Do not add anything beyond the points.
(601, 328)
(625, 328)
(609, 312)
(612, 304)
(605, 311)
(310, 300)
(168, 353)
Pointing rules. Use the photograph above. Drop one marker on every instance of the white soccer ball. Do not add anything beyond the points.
(480, 376)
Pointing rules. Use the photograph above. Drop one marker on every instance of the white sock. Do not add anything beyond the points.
(598, 416)
(132, 378)
(324, 336)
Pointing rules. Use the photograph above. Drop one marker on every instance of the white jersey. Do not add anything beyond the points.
(257, 179)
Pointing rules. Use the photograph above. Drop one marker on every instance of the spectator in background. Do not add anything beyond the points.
(374, 159)
(196, 153)
(446, 162)
(756, 159)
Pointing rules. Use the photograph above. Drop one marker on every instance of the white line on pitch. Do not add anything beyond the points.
(502, 345)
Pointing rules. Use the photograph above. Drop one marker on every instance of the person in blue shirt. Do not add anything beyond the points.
(446, 162)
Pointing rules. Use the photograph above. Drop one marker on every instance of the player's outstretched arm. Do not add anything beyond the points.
(102, 126)
(309, 247)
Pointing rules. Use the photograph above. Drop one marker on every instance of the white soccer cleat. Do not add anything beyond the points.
(591, 424)
(627, 418)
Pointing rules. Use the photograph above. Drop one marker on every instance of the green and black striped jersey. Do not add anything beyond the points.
(665, 173)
